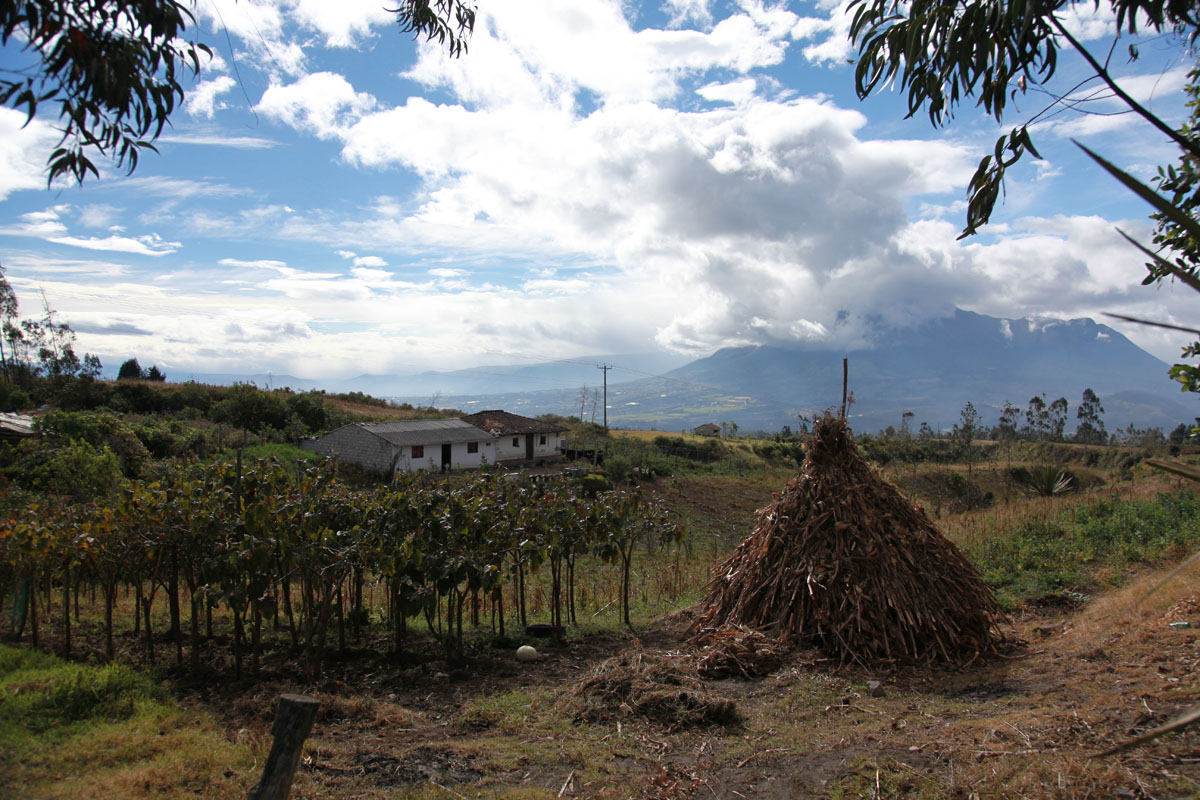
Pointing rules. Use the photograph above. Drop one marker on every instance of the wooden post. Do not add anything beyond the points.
(845, 384)
(293, 720)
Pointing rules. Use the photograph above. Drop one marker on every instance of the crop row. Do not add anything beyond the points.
(296, 545)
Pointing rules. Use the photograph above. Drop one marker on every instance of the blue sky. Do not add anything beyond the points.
(592, 177)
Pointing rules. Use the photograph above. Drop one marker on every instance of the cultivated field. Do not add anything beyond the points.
(1088, 579)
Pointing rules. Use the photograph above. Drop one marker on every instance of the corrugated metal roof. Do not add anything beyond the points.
(426, 431)
(16, 425)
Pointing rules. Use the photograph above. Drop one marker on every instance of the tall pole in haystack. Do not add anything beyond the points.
(845, 384)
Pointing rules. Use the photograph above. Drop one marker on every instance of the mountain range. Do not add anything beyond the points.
(932, 369)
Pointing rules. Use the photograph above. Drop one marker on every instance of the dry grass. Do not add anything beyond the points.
(970, 529)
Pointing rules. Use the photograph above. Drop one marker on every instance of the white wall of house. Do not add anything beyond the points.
(461, 456)
(545, 446)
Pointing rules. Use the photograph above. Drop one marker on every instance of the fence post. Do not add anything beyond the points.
(293, 720)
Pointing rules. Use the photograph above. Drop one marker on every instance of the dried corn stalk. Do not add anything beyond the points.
(844, 562)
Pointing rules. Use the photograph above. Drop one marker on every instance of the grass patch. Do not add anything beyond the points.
(75, 730)
(883, 779)
(1089, 545)
(286, 453)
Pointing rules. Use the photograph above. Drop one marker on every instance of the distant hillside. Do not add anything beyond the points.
(932, 370)
(566, 375)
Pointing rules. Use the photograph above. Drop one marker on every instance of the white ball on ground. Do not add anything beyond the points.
(526, 653)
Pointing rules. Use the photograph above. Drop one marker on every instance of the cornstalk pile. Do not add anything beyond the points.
(738, 650)
(649, 686)
(843, 562)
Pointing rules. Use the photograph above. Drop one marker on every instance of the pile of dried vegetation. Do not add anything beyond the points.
(735, 650)
(654, 687)
(844, 562)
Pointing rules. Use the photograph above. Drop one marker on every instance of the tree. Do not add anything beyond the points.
(130, 370)
(114, 68)
(1090, 429)
(1006, 425)
(964, 434)
(1037, 419)
(155, 374)
(8, 316)
(968, 426)
(945, 52)
(248, 407)
(1056, 418)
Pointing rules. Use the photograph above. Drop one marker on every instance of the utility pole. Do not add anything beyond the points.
(605, 368)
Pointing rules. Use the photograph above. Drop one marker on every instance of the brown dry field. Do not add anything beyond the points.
(1074, 682)
(1026, 725)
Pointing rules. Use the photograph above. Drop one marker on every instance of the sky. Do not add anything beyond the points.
(593, 177)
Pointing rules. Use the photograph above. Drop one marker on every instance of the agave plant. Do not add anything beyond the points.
(1045, 480)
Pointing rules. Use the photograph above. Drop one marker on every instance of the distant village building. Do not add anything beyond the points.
(707, 429)
(521, 440)
(408, 445)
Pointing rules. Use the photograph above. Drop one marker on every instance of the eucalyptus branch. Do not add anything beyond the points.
(1152, 323)
(1137, 107)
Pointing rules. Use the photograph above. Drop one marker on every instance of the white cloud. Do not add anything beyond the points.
(541, 53)
(181, 188)
(369, 261)
(262, 263)
(202, 99)
(736, 92)
(685, 11)
(48, 225)
(345, 23)
(260, 26)
(99, 215)
(1106, 113)
(220, 140)
(23, 152)
(833, 32)
(323, 103)
(150, 245)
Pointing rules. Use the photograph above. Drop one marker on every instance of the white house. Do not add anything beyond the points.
(408, 445)
(521, 440)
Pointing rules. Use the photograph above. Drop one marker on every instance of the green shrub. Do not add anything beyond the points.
(594, 483)
(1112, 534)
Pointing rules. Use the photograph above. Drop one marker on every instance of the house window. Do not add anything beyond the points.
(516, 441)
(418, 451)
(472, 447)
(543, 440)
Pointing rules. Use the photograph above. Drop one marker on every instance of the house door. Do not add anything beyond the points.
(445, 457)
(529, 446)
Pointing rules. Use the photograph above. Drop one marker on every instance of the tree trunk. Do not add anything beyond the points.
(109, 601)
(195, 626)
(66, 589)
(173, 603)
(291, 617)
(146, 603)
(237, 640)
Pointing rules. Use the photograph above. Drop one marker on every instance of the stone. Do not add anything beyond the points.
(875, 689)
(525, 653)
